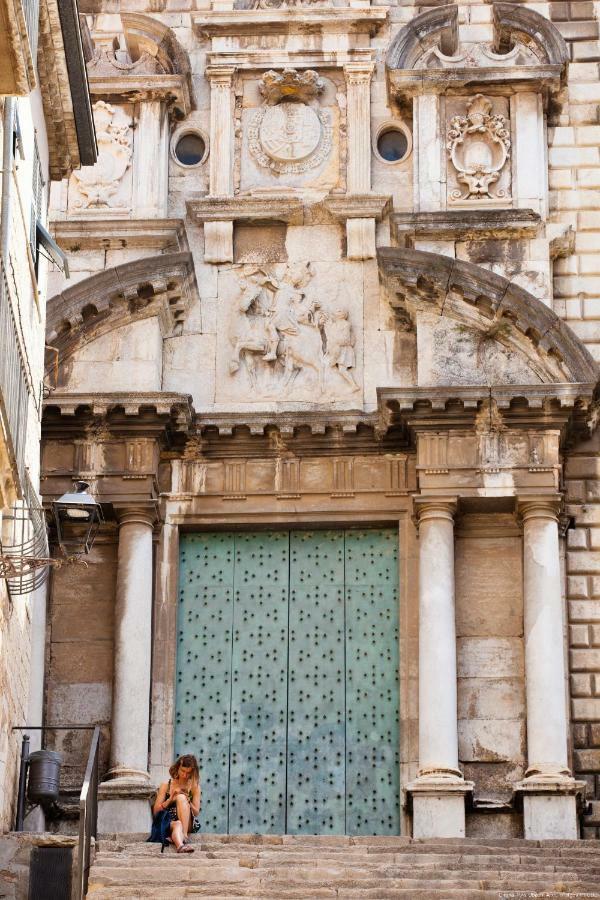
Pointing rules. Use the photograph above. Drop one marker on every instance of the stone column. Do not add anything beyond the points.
(438, 794)
(549, 791)
(151, 162)
(124, 796)
(218, 236)
(360, 233)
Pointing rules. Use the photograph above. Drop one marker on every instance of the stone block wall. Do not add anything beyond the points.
(79, 668)
(583, 593)
(14, 695)
(574, 171)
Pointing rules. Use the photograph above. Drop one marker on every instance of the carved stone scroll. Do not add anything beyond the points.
(478, 147)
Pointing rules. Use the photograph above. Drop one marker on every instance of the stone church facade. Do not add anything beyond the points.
(328, 357)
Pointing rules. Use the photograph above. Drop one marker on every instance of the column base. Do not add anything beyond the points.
(550, 807)
(124, 806)
(438, 805)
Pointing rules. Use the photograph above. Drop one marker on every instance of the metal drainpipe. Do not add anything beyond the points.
(7, 165)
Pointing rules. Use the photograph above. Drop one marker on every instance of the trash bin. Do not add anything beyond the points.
(44, 776)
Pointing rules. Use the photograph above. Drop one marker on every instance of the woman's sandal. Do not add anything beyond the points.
(185, 848)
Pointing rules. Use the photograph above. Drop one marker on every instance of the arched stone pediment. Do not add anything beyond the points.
(161, 286)
(144, 34)
(525, 45)
(428, 283)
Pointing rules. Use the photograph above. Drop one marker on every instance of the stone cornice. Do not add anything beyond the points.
(276, 58)
(227, 209)
(172, 89)
(523, 406)
(412, 82)
(345, 20)
(67, 413)
(115, 234)
(358, 206)
(474, 224)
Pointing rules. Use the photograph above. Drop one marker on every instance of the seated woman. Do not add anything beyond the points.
(177, 805)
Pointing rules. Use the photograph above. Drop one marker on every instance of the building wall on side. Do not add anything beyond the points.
(583, 593)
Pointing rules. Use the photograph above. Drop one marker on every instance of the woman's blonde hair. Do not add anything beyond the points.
(188, 761)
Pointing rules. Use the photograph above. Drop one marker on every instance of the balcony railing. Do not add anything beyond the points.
(13, 379)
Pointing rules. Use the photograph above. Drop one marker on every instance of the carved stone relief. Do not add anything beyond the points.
(478, 146)
(288, 135)
(104, 184)
(287, 341)
(288, 122)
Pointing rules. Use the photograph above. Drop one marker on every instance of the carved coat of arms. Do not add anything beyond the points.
(98, 183)
(478, 145)
(290, 134)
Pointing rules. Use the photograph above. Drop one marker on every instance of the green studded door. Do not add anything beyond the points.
(287, 679)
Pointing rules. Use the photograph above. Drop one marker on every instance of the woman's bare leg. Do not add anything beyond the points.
(177, 834)
(184, 813)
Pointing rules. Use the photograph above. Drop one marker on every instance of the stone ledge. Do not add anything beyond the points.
(346, 20)
(74, 234)
(246, 208)
(464, 224)
(172, 88)
(132, 403)
(358, 206)
(275, 58)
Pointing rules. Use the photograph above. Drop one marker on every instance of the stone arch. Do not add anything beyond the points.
(440, 26)
(418, 281)
(160, 286)
(144, 34)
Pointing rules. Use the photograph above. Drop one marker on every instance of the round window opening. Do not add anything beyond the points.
(392, 145)
(190, 149)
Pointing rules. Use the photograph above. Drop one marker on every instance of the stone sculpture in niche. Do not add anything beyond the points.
(478, 146)
(98, 183)
(290, 134)
(281, 331)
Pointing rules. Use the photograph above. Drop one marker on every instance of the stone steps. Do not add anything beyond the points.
(308, 868)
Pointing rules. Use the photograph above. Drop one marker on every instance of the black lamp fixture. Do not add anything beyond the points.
(78, 517)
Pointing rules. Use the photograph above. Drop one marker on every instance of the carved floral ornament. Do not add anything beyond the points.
(478, 146)
(290, 134)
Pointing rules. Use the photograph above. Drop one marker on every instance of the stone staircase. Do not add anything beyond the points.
(307, 868)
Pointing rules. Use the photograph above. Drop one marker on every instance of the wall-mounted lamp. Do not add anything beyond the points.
(77, 517)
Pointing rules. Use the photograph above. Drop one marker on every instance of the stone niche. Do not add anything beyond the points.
(290, 125)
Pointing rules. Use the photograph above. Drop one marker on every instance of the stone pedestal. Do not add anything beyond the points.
(438, 793)
(549, 792)
(124, 796)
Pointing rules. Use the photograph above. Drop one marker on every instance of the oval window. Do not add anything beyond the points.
(392, 145)
(190, 149)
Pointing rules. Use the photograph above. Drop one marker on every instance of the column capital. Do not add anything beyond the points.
(427, 508)
(220, 74)
(140, 515)
(359, 72)
(543, 506)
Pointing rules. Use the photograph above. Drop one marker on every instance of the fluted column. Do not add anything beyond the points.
(548, 789)
(360, 232)
(218, 236)
(133, 643)
(438, 792)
